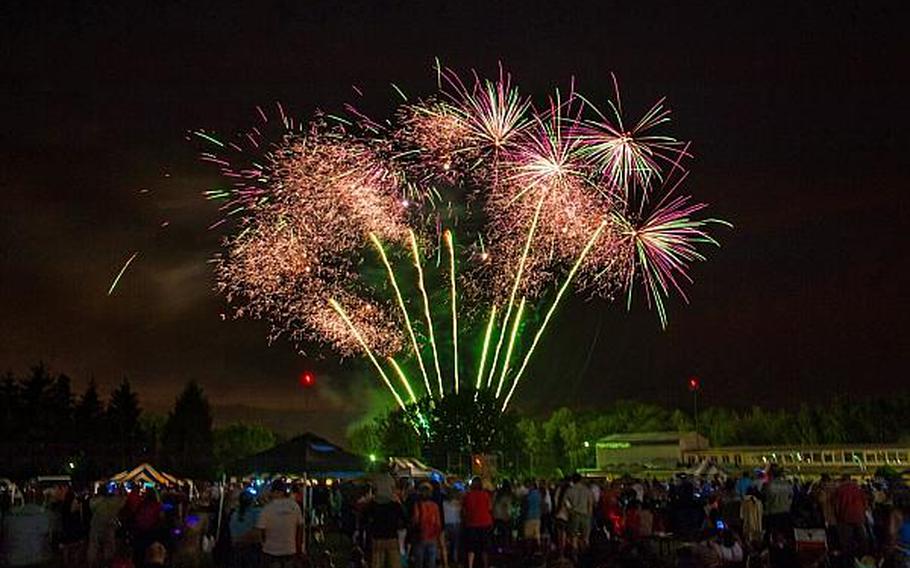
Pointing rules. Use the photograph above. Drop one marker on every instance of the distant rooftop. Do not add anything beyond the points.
(647, 437)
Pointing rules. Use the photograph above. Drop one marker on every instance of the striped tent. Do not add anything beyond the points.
(146, 473)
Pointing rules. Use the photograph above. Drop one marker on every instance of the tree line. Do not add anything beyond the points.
(45, 428)
(565, 440)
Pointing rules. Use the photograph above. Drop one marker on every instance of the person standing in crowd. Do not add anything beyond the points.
(579, 500)
(778, 499)
(744, 484)
(451, 513)
(823, 495)
(546, 512)
(610, 510)
(148, 525)
(901, 553)
(72, 529)
(426, 520)
(155, 555)
(478, 523)
(727, 548)
(102, 533)
(383, 517)
(281, 526)
(751, 512)
(245, 549)
(850, 511)
(686, 510)
(561, 516)
(531, 511)
(502, 515)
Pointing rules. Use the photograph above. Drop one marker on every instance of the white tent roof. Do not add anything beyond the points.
(409, 467)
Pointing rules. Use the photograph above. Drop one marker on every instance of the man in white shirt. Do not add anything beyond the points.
(281, 525)
(580, 501)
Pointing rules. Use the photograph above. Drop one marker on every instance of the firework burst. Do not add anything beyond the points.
(471, 191)
(630, 158)
(662, 246)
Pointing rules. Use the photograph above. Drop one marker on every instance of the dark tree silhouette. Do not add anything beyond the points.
(187, 443)
(89, 413)
(122, 418)
(239, 440)
(9, 407)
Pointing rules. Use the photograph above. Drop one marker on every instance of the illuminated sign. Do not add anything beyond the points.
(615, 445)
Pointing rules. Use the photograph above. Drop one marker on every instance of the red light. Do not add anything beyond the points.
(694, 384)
(307, 380)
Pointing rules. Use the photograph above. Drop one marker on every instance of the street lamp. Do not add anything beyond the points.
(307, 381)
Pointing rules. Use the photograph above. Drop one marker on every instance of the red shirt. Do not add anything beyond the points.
(476, 509)
(850, 504)
(426, 517)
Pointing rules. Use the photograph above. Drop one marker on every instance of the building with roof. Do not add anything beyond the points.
(807, 459)
(636, 452)
(664, 453)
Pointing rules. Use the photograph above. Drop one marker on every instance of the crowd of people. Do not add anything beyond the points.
(109, 525)
(757, 519)
(763, 518)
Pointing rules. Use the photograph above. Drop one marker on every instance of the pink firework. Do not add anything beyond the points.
(631, 158)
(662, 246)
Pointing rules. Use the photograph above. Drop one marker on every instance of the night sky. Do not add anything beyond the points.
(797, 111)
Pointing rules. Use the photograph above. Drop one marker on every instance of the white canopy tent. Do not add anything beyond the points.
(409, 467)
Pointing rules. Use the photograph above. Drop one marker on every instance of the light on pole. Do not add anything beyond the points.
(695, 386)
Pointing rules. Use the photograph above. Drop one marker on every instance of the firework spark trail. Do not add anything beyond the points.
(404, 310)
(546, 319)
(366, 348)
(486, 347)
(451, 246)
(512, 335)
(122, 271)
(426, 309)
(518, 274)
(404, 379)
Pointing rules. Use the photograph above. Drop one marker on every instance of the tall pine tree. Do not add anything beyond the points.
(122, 419)
(187, 442)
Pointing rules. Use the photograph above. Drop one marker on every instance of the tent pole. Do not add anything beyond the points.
(306, 512)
